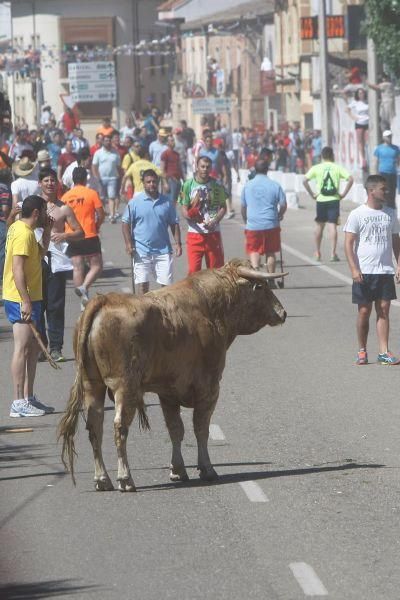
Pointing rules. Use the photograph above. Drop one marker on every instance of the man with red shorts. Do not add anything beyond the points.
(203, 203)
(263, 206)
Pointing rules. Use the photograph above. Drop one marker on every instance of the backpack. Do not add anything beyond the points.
(328, 188)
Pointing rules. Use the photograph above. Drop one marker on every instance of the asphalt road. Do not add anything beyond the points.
(306, 445)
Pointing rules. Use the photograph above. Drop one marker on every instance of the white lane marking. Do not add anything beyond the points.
(253, 491)
(310, 261)
(308, 580)
(216, 433)
(325, 268)
(109, 263)
(126, 290)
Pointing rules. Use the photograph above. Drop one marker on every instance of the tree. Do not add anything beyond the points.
(383, 27)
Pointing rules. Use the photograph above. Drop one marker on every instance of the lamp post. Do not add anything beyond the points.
(373, 133)
(326, 129)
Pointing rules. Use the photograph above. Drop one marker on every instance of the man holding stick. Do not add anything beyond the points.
(22, 294)
(145, 225)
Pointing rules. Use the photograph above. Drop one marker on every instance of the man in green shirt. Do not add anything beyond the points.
(327, 176)
(203, 202)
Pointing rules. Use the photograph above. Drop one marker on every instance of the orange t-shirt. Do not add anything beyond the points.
(106, 130)
(5, 148)
(83, 202)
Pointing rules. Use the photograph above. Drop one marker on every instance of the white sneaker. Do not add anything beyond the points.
(25, 408)
(81, 292)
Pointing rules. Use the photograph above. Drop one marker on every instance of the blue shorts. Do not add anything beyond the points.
(328, 211)
(13, 312)
(109, 187)
(374, 287)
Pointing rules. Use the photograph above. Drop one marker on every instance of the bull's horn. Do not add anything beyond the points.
(258, 275)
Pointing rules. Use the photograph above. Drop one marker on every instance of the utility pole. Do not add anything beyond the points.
(326, 129)
(136, 59)
(373, 129)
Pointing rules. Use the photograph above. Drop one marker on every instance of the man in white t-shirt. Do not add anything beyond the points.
(84, 160)
(371, 239)
(26, 183)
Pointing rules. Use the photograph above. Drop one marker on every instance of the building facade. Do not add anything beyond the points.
(297, 58)
(219, 55)
(63, 32)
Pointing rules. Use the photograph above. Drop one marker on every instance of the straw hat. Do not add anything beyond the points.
(24, 167)
(43, 156)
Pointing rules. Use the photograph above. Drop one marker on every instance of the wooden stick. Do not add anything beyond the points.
(43, 347)
(132, 258)
(17, 430)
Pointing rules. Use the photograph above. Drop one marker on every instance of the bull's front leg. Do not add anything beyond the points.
(203, 410)
(125, 409)
(174, 423)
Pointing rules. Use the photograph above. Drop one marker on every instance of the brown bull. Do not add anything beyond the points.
(172, 342)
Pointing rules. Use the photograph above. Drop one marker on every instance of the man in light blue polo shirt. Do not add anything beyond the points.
(388, 159)
(158, 147)
(263, 206)
(106, 167)
(145, 227)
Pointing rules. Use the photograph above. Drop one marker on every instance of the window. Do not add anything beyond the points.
(355, 18)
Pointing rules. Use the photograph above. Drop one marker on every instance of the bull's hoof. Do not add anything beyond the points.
(178, 475)
(103, 484)
(126, 485)
(208, 474)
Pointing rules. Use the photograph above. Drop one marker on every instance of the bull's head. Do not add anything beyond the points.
(259, 305)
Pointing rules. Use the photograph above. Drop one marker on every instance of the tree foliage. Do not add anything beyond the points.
(383, 27)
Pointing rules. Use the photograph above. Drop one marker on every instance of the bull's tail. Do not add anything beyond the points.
(144, 424)
(69, 422)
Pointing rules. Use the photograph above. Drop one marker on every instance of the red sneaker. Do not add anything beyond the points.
(362, 358)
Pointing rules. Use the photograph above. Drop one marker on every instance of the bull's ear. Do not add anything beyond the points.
(253, 275)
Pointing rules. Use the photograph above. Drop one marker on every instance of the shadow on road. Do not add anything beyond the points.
(31, 475)
(112, 273)
(44, 589)
(6, 334)
(315, 287)
(256, 475)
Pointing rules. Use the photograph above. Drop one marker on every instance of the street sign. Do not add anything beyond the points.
(92, 76)
(92, 86)
(94, 96)
(211, 105)
(92, 81)
(85, 67)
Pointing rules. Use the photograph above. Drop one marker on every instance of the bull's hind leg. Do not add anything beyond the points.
(203, 410)
(94, 401)
(125, 408)
(176, 431)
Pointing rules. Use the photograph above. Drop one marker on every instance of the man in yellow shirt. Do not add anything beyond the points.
(327, 176)
(135, 171)
(22, 295)
(132, 155)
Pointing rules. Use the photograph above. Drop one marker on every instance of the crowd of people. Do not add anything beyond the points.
(57, 190)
